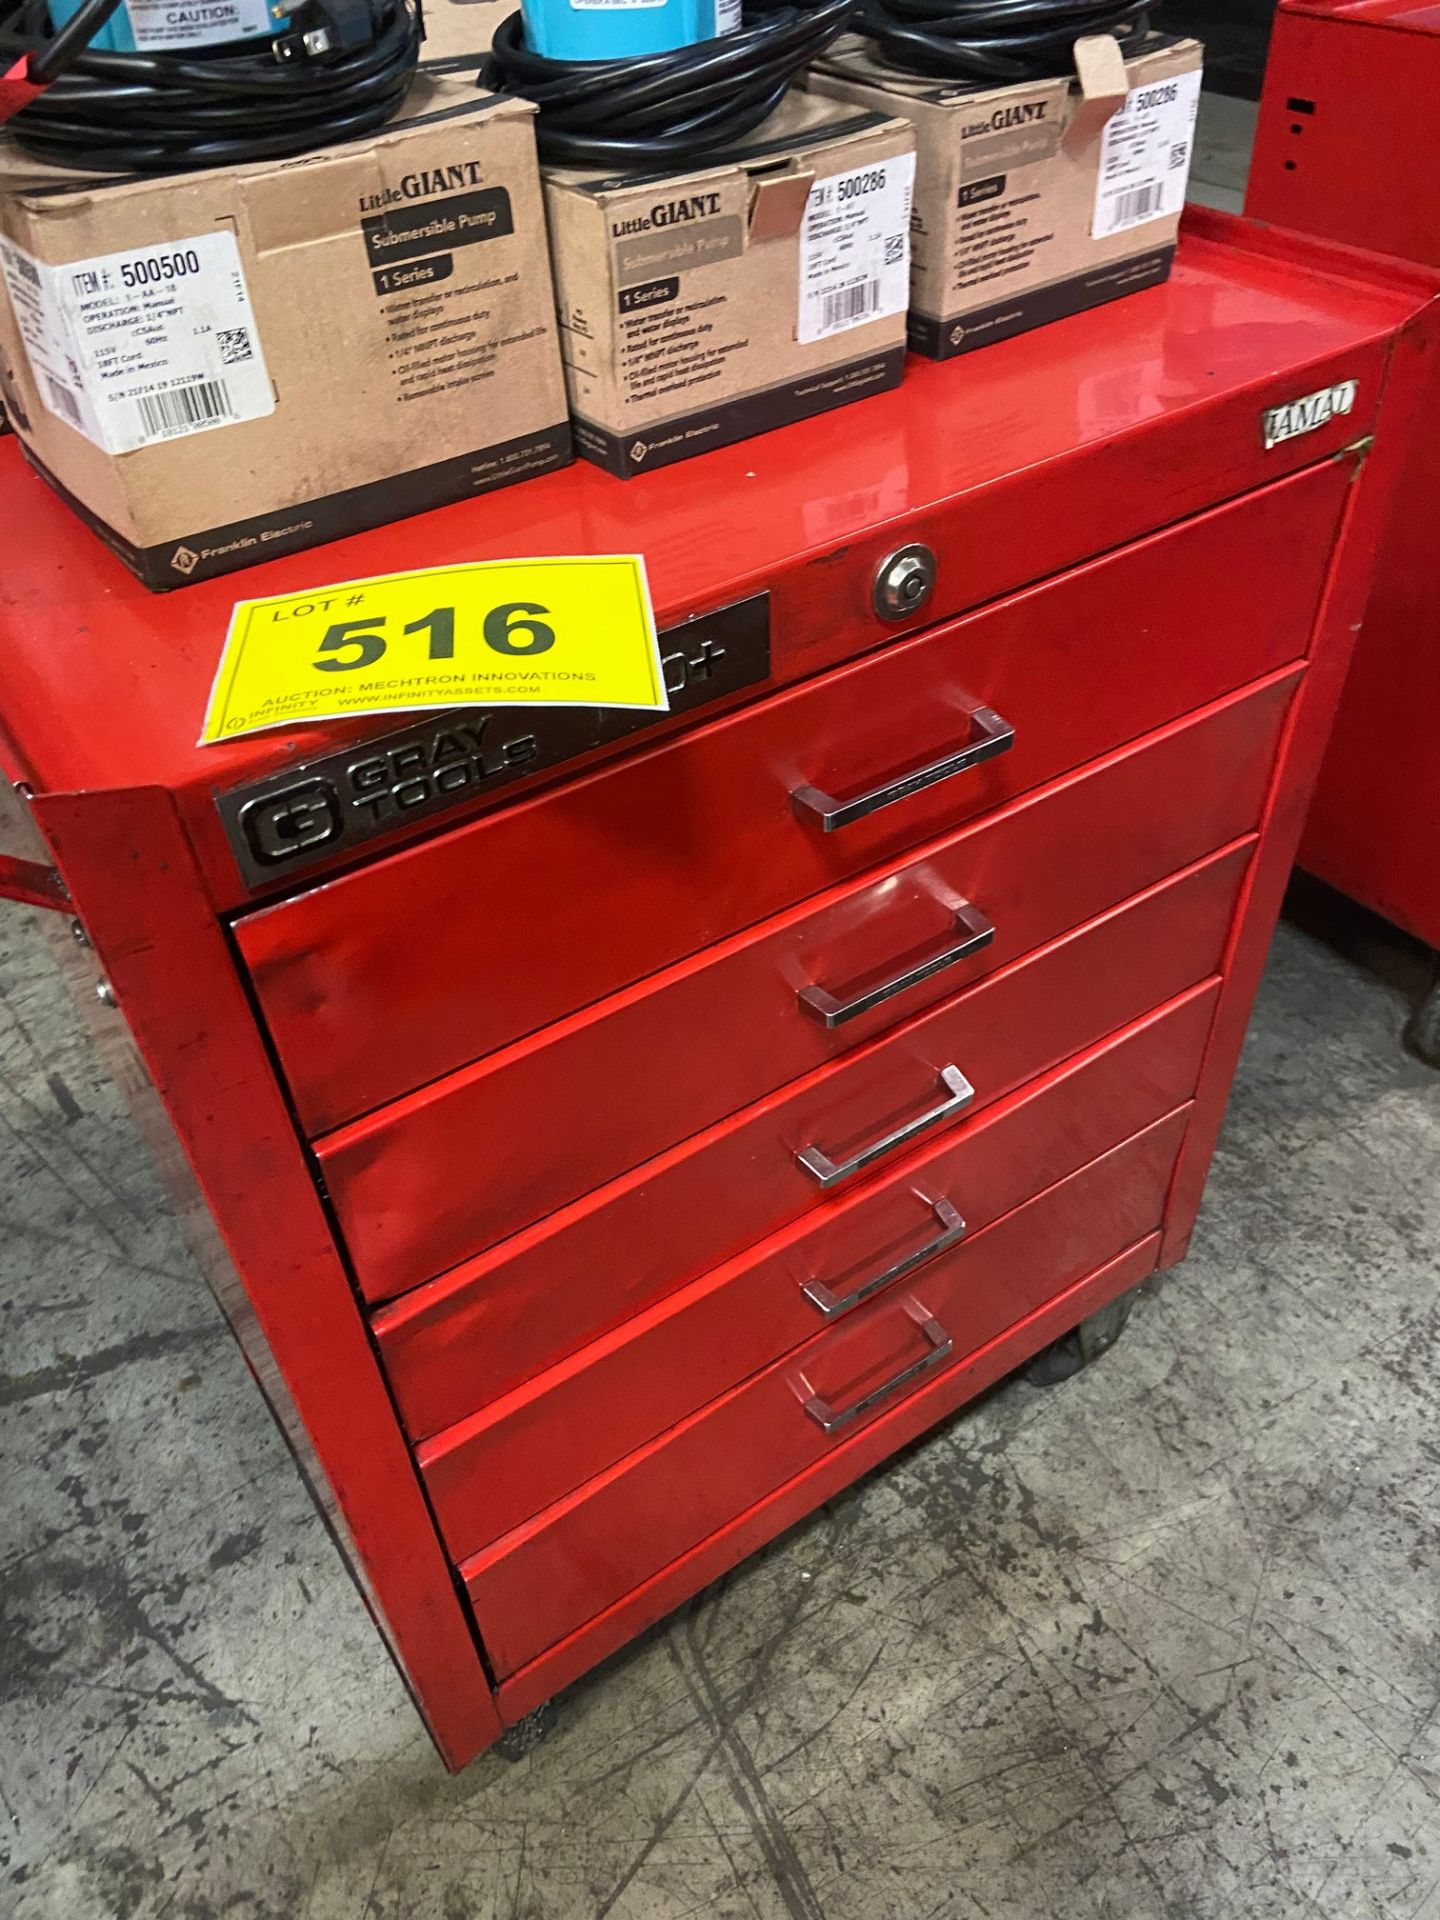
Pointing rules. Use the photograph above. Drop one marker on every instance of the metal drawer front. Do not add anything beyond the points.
(396, 974)
(519, 1455)
(454, 1345)
(580, 1556)
(579, 1104)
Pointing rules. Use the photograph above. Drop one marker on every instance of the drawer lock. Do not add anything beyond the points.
(904, 582)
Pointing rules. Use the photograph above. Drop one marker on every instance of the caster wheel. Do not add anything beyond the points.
(1074, 1351)
(1422, 1036)
(526, 1734)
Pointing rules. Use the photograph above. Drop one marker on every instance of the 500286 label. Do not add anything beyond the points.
(1145, 156)
(855, 248)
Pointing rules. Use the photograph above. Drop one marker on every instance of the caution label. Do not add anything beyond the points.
(571, 632)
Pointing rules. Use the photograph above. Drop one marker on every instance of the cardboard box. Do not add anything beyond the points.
(1037, 200)
(458, 32)
(218, 367)
(698, 308)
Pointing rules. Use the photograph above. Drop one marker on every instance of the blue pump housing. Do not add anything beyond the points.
(618, 29)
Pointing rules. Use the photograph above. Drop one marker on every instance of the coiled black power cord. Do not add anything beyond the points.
(664, 109)
(995, 41)
(341, 69)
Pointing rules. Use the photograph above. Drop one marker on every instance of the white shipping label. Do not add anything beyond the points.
(162, 26)
(728, 16)
(855, 248)
(1145, 156)
(142, 346)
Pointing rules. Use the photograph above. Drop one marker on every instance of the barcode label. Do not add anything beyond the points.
(1137, 204)
(855, 248)
(849, 304)
(136, 348)
(204, 404)
(1145, 155)
(63, 401)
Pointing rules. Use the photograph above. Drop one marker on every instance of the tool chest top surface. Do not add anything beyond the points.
(1411, 16)
(1131, 416)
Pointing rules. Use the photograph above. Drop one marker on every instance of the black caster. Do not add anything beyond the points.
(527, 1734)
(1422, 1036)
(1074, 1351)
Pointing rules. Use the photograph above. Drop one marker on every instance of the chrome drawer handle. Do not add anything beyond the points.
(829, 1418)
(833, 1305)
(989, 735)
(816, 1162)
(979, 932)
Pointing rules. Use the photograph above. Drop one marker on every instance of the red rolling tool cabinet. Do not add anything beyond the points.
(615, 1138)
(1346, 148)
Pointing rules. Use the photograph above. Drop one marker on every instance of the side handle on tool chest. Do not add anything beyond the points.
(26, 872)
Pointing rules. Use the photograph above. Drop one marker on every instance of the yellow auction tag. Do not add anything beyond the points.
(575, 632)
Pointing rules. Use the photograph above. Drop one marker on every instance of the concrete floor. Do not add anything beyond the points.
(1158, 1643)
(1220, 164)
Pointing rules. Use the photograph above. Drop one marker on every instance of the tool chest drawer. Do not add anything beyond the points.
(730, 1025)
(387, 978)
(522, 1453)
(547, 1577)
(453, 1345)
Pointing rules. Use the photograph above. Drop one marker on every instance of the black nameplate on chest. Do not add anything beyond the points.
(323, 807)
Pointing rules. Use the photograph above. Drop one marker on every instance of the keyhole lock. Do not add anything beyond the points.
(904, 581)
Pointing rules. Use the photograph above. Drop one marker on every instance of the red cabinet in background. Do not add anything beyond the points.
(1345, 148)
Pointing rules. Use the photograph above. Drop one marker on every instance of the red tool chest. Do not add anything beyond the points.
(609, 1139)
(1349, 127)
